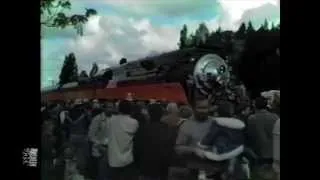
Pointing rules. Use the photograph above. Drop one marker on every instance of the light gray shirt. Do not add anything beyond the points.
(260, 132)
(121, 130)
(192, 131)
(98, 133)
(190, 134)
(276, 141)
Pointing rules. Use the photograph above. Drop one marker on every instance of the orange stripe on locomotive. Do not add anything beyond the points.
(173, 92)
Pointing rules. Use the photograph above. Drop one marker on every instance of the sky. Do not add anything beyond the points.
(137, 28)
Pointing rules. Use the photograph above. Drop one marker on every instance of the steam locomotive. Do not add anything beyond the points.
(179, 76)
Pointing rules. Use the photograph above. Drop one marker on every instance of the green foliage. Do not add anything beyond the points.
(241, 33)
(194, 40)
(83, 74)
(94, 70)
(123, 61)
(273, 26)
(261, 29)
(219, 30)
(183, 37)
(203, 38)
(266, 25)
(52, 15)
(203, 33)
(250, 28)
(69, 71)
(197, 38)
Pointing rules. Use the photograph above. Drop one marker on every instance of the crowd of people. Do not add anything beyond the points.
(128, 139)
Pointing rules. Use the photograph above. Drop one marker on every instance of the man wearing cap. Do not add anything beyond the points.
(79, 124)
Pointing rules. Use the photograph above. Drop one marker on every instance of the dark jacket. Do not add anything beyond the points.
(244, 119)
(47, 146)
(95, 112)
(138, 138)
(226, 134)
(260, 127)
(80, 122)
(156, 149)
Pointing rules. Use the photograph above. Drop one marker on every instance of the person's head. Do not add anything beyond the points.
(185, 112)
(68, 151)
(155, 112)
(243, 109)
(124, 107)
(275, 105)
(108, 109)
(96, 104)
(201, 109)
(109, 105)
(152, 101)
(172, 108)
(261, 103)
(226, 109)
(116, 106)
(47, 127)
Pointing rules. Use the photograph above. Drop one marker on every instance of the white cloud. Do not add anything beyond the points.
(160, 7)
(109, 38)
(258, 15)
(237, 11)
(116, 37)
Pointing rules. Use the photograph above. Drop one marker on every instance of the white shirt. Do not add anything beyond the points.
(98, 133)
(121, 131)
(62, 116)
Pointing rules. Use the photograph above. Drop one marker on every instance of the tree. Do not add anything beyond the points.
(266, 25)
(191, 40)
(183, 37)
(219, 31)
(261, 29)
(273, 28)
(259, 65)
(52, 15)
(123, 61)
(197, 38)
(213, 33)
(83, 74)
(202, 34)
(69, 71)
(250, 28)
(241, 31)
(94, 70)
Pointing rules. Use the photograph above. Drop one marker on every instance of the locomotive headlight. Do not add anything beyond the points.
(212, 69)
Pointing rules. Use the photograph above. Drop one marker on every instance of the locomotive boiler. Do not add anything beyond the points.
(179, 76)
